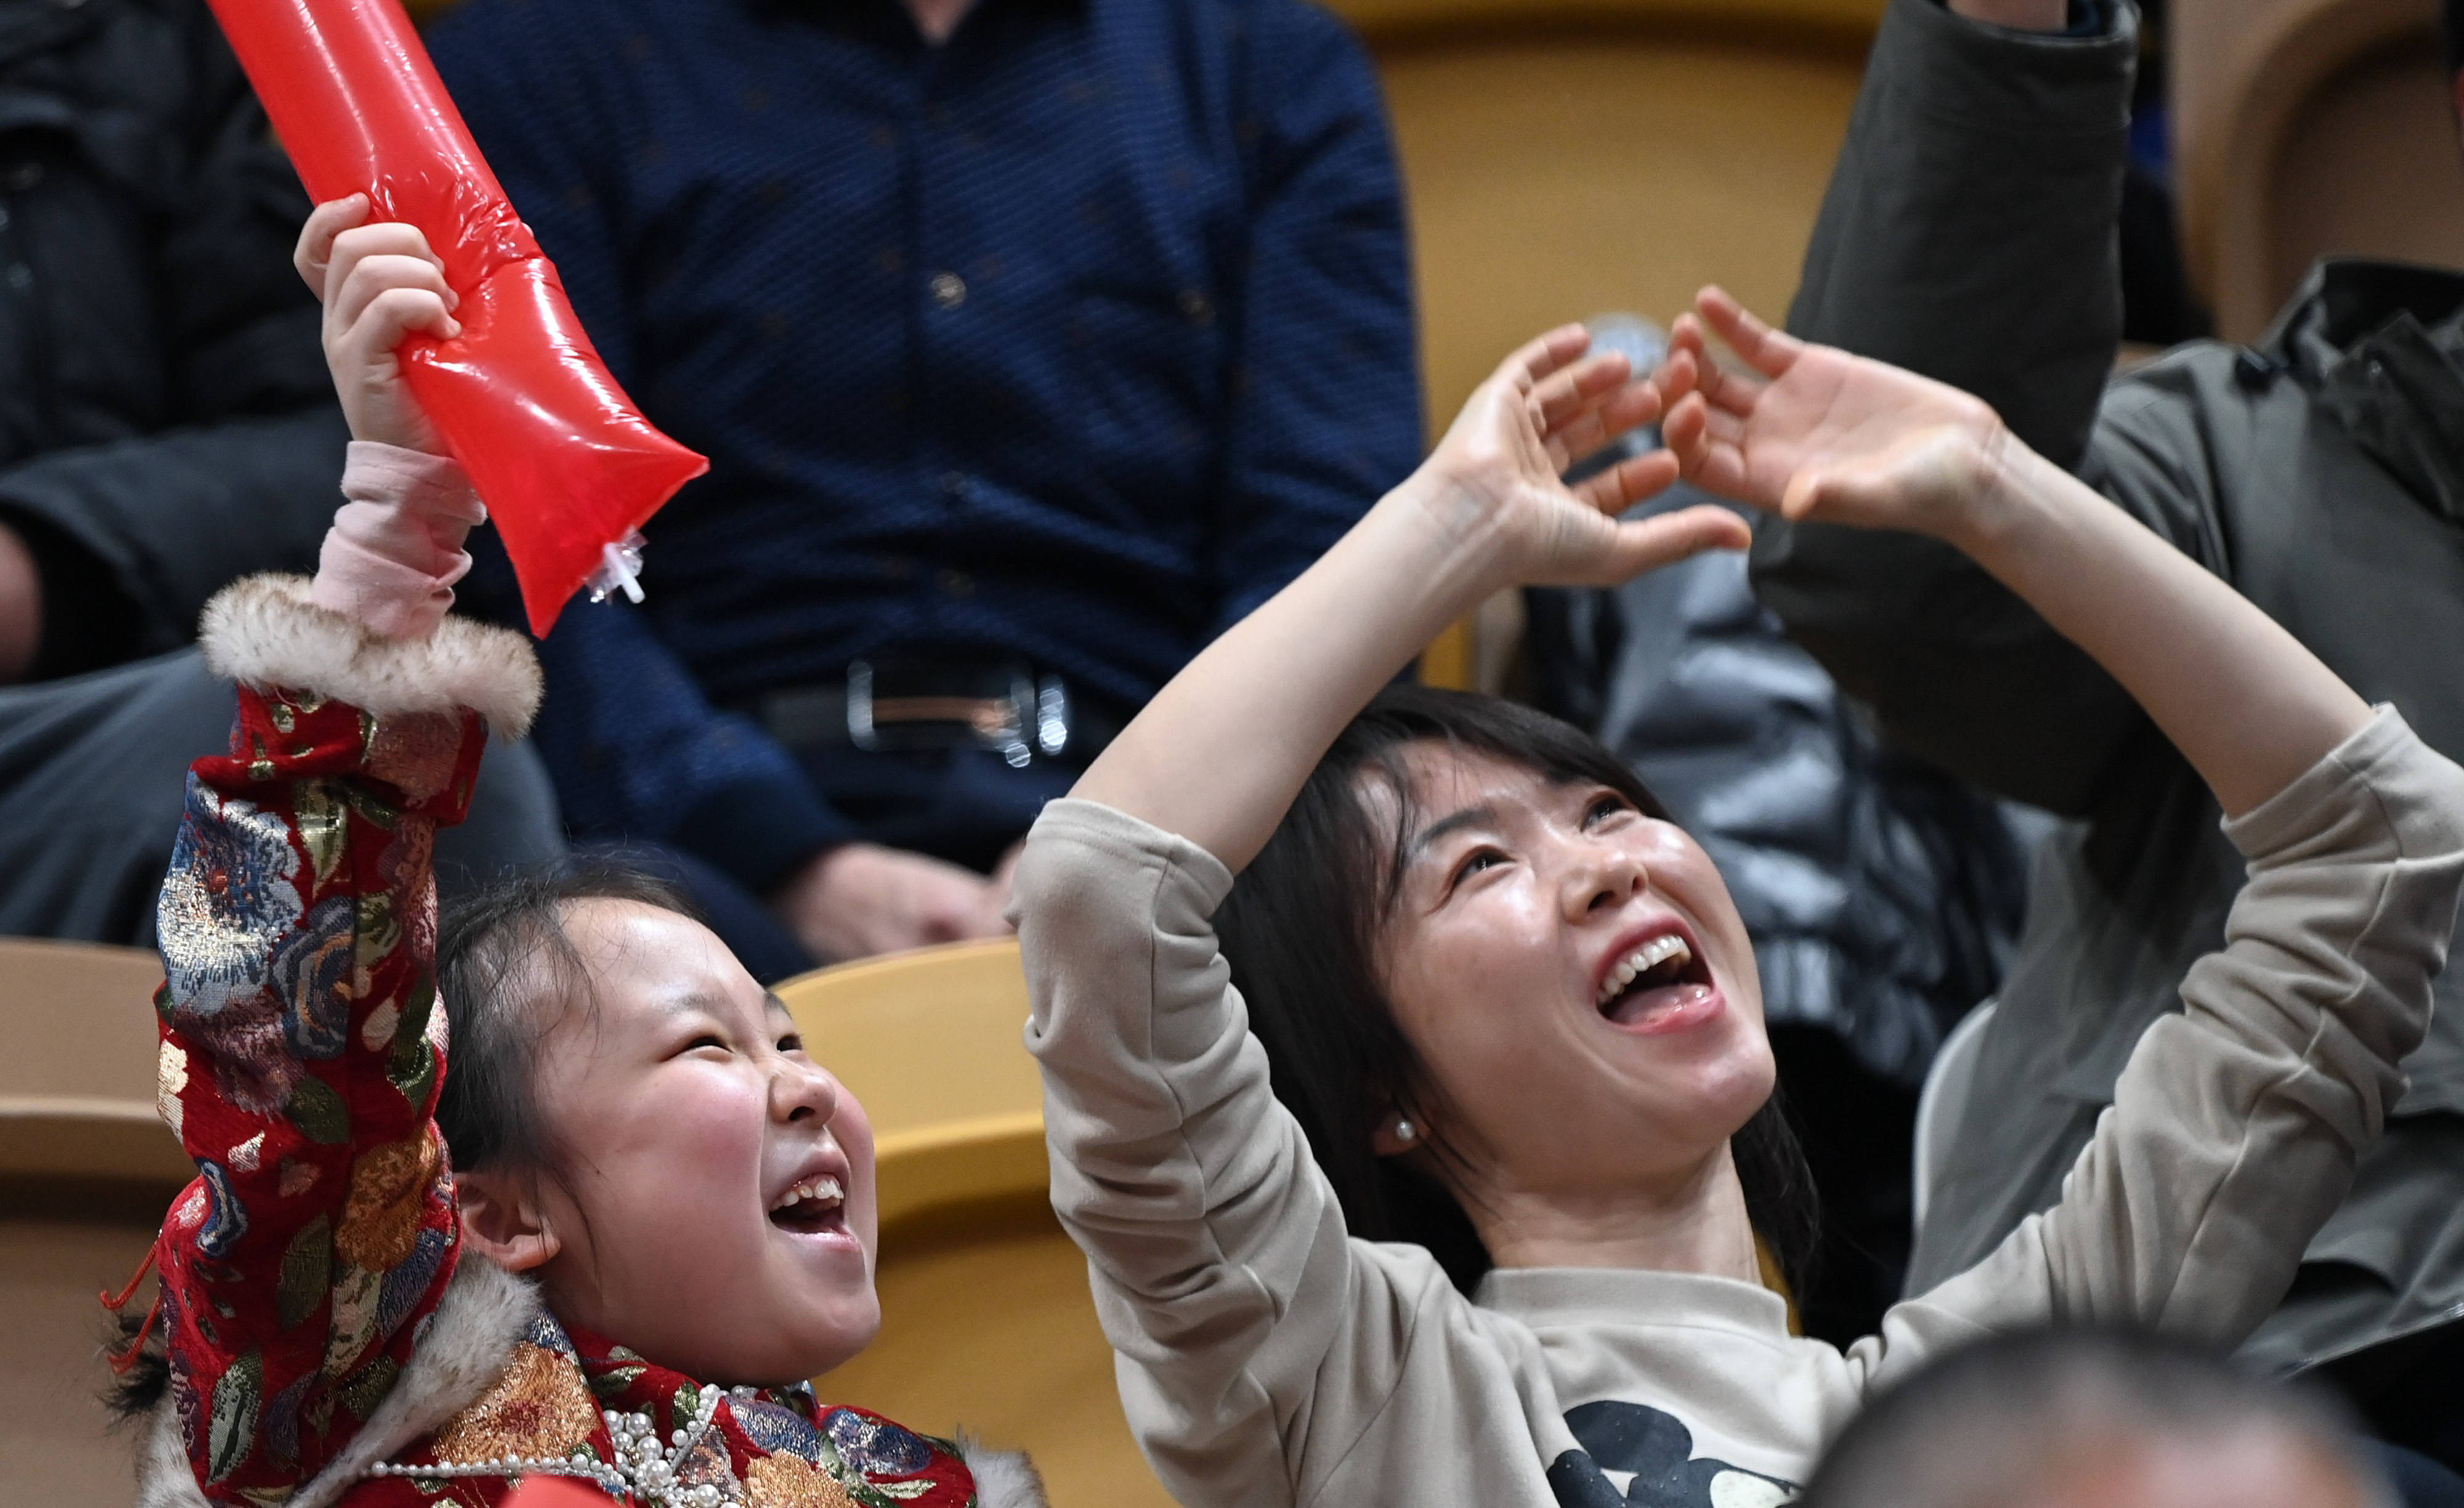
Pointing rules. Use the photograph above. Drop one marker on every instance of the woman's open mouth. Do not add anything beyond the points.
(1658, 986)
(815, 1205)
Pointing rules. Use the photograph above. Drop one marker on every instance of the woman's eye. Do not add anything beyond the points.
(1474, 862)
(791, 1044)
(705, 1039)
(1605, 808)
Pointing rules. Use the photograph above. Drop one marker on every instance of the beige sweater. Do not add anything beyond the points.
(1263, 1357)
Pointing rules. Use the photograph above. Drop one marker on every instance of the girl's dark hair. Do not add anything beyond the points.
(1299, 932)
(498, 950)
(501, 954)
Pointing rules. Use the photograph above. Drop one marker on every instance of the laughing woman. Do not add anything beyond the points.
(1500, 996)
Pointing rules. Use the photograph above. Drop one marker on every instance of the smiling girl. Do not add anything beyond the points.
(615, 1237)
(1473, 990)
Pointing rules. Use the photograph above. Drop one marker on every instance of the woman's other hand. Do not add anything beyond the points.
(1822, 434)
(1496, 474)
(379, 283)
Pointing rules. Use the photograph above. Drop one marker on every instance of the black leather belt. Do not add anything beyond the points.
(914, 702)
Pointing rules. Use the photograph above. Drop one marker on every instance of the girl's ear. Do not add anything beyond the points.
(502, 1222)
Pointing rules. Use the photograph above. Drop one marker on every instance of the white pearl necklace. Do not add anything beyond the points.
(641, 1468)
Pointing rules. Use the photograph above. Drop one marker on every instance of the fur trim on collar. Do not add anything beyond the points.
(263, 630)
(1003, 1479)
(465, 1347)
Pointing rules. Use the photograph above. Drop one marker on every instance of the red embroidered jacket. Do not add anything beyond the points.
(303, 1048)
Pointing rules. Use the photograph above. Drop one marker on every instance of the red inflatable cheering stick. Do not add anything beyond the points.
(566, 465)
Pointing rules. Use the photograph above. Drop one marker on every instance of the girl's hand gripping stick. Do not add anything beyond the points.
(568, 466)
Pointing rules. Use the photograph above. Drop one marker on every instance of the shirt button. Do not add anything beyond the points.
(20, 277)
(957, 583)
(954, 484)
(949, 290)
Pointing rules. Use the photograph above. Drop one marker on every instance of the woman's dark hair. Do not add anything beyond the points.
(502, 955)
(1300, 931)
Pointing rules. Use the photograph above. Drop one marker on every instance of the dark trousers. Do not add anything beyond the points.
(93, 775)
(966, 805)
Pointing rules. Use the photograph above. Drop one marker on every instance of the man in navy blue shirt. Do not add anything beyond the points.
(1032, 343)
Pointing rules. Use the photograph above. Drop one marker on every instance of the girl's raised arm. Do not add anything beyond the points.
(1834, 438)
(1221, 752)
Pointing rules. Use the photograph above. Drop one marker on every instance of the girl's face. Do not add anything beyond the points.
(1575, 981)
(716, 1210)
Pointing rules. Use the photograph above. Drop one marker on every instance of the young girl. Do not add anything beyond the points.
(1486, 961)
(613, 1242)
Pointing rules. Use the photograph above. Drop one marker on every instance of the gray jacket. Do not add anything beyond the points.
(1968, 234)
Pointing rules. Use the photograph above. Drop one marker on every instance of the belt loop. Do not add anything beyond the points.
(859, 706)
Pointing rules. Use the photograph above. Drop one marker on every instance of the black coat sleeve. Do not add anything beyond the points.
(1969, 235)
(244, 474)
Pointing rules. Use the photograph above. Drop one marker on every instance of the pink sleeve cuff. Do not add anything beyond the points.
(395, 549)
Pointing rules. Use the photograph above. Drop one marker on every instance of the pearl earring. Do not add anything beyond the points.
(1404, 1130)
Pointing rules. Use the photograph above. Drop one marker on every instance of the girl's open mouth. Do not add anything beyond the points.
(1661, 986)
(811, 1207)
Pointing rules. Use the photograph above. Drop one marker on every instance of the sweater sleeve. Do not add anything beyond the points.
(302, 1052)
(2237, 1124)
(1220, 1267)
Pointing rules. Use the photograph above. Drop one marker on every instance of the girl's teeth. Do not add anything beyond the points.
(812, 1189)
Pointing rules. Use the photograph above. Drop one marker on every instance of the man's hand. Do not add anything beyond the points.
(2019, 15)
(860, 899)
(21, 608)
(990, 922)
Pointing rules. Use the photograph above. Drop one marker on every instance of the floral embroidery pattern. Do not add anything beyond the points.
(875, 1446)
(225, 901)
(540, 1407)
(774, 1428)
(225, 1221)
(319, 1232)
(381, 1218)
(785, 1482)
(311, 975)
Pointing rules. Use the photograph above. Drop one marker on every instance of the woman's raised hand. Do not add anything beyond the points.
(1822, 434)
(1545, 407)
(379, 283)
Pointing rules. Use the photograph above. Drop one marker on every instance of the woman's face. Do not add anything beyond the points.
(1574, 979)
(716, 1210)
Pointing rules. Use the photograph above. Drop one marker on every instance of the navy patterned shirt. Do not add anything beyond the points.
(1076, 337)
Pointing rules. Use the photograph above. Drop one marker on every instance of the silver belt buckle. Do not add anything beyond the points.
(1001, 724)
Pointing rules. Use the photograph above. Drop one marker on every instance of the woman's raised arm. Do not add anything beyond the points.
(1833, 437)
(1221, 752)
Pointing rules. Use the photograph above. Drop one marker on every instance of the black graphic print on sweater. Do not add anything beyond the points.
(1660, 1451)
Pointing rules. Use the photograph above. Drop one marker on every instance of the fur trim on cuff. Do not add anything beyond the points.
(263, 630)
(1003, 1479)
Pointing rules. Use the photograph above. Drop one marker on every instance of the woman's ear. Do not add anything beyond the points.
(502, 1222)
(1398, 1135)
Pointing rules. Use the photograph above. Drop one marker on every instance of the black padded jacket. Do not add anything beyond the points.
(166, 422)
